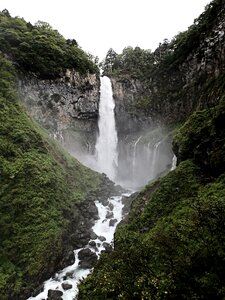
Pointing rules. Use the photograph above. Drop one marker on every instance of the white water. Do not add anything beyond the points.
(101, 228)
(134, 158)
(154, 159)
(174, 163)
(106, 145)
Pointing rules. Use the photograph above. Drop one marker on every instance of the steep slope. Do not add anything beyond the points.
(46, 197)
(172, 244)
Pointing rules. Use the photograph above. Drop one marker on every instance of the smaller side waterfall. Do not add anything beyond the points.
(106, 145)
(154, 159)
(174, 163)
(134, 156)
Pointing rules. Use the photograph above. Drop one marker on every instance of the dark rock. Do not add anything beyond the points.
(92, 243)
(112, 222)
(127, 201)
(68, 275)
(107, 246)
(93, 235)
(109, 215)
(102, 238)
(54, 295)
(70, 258)
(105, 202)
(66, 286)
(111, 206)
(87, 258)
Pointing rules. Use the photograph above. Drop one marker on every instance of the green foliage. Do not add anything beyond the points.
(40, 188)
(40, 49)
(131, 61)
(202, 138)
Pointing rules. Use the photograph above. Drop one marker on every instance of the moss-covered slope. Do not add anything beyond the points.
(41, 194)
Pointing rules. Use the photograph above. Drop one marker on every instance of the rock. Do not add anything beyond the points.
(109, 215)
(54, 295)
(112, 222)
(66, 286)
(87, 258)
(70, 258)
(111, 206)
(68, 275)
(92, 243)
(102, 238)
(93, 235)
(105, 202)
(107, 246)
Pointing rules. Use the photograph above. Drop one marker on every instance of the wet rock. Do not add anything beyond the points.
(111, 206)
(112, 222)
(68, 275)
(102, 238)
(70, 258)
(66, 286)
(109, 215)
(127, 201)
(87, 258)
(92, 243)
(54, 295)
(105, 202)
(93, 235)
(38, 290)
(107, 246)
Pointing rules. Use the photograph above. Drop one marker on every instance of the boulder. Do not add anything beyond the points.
(102, 238)
(66, 286)
(92, 243)
(112, 222)
(87, 258)
(107, 247)
(109, 215)
(55, 295)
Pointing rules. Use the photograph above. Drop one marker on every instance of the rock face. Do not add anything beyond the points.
(126, 93)
(66, 107)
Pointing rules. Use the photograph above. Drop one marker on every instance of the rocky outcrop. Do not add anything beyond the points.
(67, 107)
(126, 93)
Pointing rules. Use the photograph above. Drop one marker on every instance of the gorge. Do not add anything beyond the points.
(168, 135)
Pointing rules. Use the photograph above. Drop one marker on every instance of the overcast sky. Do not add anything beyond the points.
(98, 25)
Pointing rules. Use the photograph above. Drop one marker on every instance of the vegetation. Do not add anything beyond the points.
(41, 187)
(40, 49)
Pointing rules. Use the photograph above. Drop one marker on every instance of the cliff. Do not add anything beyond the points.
(67, 107)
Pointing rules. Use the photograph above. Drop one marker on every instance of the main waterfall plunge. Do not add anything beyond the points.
(130, 161)
(106, 145)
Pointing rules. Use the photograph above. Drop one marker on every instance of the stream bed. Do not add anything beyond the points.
(65, 283)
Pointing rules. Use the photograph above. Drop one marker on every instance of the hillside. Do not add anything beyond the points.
(171, 246)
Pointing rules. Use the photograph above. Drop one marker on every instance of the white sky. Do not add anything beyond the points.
(98, 25)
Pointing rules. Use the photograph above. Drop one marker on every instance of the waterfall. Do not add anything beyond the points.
(134, 157)
(174, 163)
(154, 159)
(106, 145)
